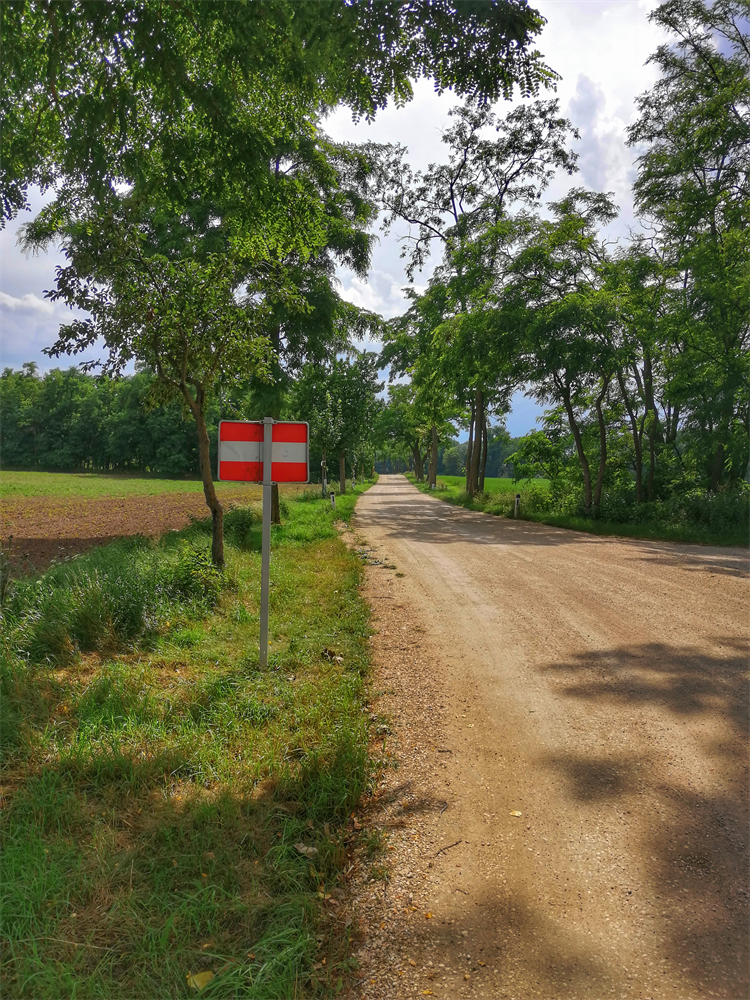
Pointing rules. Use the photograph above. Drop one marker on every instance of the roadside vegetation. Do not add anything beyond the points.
(700, 516)
(170, 811)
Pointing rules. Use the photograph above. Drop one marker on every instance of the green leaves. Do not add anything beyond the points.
(197, 95)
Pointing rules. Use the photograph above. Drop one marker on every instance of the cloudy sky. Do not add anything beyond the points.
(600, 49)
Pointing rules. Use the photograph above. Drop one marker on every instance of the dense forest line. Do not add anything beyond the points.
(70, 420)
(66, 419)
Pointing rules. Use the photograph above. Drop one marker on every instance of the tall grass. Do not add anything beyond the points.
(157, 781)
(110, 598)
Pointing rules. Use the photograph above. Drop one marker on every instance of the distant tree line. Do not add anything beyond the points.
(69, 420)
(451, 455)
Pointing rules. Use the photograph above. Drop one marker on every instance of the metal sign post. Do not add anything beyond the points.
(265, 559)
(264, 451)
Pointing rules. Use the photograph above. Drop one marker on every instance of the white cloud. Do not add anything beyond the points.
(28, 302)
(380, 292)
(601, 49)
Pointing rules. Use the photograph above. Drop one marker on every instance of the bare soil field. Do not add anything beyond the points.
(46, 528)
(567, 714)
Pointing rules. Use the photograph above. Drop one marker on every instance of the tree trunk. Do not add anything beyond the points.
(418, 463)
(469, 450)
(323, 474)
(579, 449)
(432, 469)
(602, 445)
(637, 433)
(197, 406)
(674, 422)
(483, 461)
(655, 431)
(342, 472)
(477, 449)
(651, 464)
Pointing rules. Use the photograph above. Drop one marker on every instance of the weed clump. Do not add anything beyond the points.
(109, 599)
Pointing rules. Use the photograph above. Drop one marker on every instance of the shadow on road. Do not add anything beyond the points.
(687, 836)
(688, 818)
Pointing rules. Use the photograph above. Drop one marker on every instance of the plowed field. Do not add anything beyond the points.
(46, 528)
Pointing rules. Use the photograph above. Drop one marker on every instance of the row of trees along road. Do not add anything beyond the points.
(200, 206)
(203, 212)
(640, 351)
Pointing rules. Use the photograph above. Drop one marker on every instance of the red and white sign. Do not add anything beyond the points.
(241, 452)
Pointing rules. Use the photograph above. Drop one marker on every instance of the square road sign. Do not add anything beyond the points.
(241, 451)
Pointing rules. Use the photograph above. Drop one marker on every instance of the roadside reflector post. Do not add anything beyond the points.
(333, 499)
(265, 562)
(517, 507)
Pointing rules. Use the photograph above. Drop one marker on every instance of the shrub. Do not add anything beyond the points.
(242, 527)
(194, 578)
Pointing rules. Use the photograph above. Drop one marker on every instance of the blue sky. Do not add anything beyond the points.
(600, 48)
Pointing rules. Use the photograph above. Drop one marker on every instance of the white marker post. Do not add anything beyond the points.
(265, 559)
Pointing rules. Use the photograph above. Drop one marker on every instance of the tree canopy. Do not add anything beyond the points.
(190, 94)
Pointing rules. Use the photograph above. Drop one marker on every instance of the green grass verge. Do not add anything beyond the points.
(156, 782)
(500, 503)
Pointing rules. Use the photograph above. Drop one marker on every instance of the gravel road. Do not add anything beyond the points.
(597, 687)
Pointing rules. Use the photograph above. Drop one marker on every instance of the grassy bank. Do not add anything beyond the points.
(170, 811)
(534, 506)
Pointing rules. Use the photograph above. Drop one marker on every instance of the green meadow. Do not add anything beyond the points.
(97, 484)
(491, 484)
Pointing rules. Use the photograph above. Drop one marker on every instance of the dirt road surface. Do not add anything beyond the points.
(598, 688)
